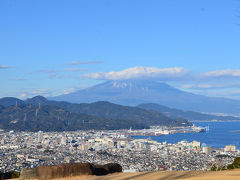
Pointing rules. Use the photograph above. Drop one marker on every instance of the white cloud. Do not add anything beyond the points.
(74, 63)
(36, 92)
(75, 69)
(47, 92)
(17, 79)
(47, 71)
(69, 90)
(40, 91)
(59, 74)
(66, 76)
(223, 73)
(139, 72)
(202, 83)
(51, 76)
(227, 93)
(198, 86)
(4, 67)
(23, 95)
(214, 84)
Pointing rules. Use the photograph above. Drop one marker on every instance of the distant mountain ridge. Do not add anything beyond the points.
(135, 92)
(166, 111)
(190, 115)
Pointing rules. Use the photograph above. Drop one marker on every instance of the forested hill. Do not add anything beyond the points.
(38, 113)
(51, 118)
(115, 111)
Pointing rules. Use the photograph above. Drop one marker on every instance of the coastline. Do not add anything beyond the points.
(215, 121)
(218, 136)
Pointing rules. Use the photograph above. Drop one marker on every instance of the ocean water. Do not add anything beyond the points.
(219, 135)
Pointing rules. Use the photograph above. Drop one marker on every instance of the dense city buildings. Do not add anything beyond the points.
(20, 150)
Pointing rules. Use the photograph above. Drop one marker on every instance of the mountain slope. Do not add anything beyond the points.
(134, 92)
(190, 115)
(38, 113)
(9, 101)
(114, 111)
(51, 118)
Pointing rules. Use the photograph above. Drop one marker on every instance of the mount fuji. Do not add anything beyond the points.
(135, 92)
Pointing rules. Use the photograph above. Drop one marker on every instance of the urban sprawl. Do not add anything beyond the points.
(20, 150)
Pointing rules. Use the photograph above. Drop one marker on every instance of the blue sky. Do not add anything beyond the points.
(60, 46)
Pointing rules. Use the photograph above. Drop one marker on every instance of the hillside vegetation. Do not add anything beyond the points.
(38, 113)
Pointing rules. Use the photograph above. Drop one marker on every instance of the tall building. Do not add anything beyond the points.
(40, 136)
(63, 140)
(207, 150)
(230, 148)
(2, 141)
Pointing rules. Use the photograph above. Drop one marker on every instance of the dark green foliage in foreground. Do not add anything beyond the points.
(214, 168)
(234, 165)
(236, 162)
(9, 175)
(230, 166)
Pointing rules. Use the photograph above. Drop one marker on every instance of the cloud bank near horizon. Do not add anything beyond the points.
(223, 73)
(186, 79)
(74, 63)
(216, 82)
(4, 67)
(138, 73)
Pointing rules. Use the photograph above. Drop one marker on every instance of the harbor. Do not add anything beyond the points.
(163, 130)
